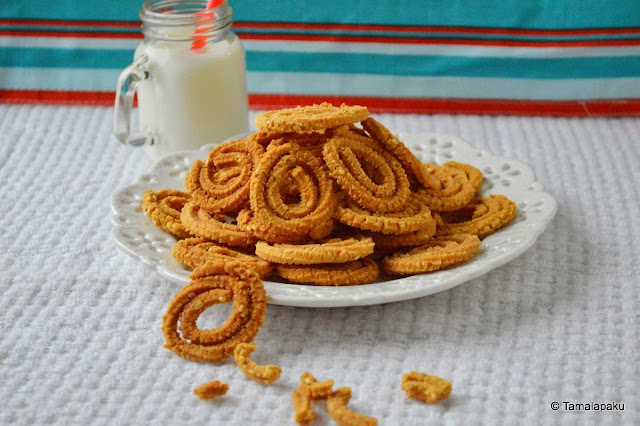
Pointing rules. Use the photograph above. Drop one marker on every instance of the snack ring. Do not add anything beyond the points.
(164, 209)
(194, 252)
(412, 239)
(453, 191)
(473, 174)
(482, 216)
(438, 253)
(399, 150)
(213, 283)
(335, 250)
(201, 223)
(414, 216)
(384, 189)
(221, 184)
(309, 118)
(356, 272)
(270, 220)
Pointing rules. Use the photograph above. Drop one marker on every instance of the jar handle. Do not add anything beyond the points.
(127, 86)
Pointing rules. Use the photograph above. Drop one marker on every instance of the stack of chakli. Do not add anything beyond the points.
(326, 195)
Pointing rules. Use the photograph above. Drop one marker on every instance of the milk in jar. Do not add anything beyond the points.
(191, 78)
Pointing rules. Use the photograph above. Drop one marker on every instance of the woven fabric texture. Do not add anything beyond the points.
(80, 320)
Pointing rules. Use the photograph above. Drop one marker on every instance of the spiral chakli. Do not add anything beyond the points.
(414, 216)
(214, 283)
(473, 174)
(334, 250)
(454, 189)
(399, 151)
(164, 209)
(208, 225)
(371, 176)
(310, 118)
(481, 216)
(438, 253)
(294, 197)
(273, 219)
(356, 272)
(386, 243)
(194, 252)
(221, 184)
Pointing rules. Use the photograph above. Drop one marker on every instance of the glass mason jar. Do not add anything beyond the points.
(190, 76)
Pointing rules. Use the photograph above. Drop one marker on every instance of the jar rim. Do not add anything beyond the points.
(157, 14)
(180, 11)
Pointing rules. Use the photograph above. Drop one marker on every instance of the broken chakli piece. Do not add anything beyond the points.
(266, 374)
(211, 390)
(426, 388)
(336, 402)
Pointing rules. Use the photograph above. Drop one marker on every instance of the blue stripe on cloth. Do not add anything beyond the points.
(65, 58)
(72, 28)
(460, 66)
(478, 13)
(358, 63)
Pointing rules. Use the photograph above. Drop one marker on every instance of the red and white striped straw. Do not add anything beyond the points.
(205, 19)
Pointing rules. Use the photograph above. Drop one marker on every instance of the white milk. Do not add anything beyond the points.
(192, 98)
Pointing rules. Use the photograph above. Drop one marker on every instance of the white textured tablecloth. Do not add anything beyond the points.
(80, 338)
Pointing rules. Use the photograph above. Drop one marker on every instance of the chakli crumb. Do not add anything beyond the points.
(211, 390)
(266, 374)
(423, 387)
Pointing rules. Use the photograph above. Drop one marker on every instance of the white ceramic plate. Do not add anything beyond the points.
(137, 236)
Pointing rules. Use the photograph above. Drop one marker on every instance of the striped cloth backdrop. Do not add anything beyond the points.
(539, 57)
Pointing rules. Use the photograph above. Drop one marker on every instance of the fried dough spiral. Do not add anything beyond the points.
(164, 209)
(221, 184)
(334, 250)
(414, 216)
(438, 253)
(400, 151)
(277, 224)
(213, 283)
(481, 216)
(194, 252)
(201, 223)
(350, 157)
(356, 272)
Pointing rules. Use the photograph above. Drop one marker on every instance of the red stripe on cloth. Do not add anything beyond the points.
(576, 108)
(69, 23)
(345, 38)
(608, 108)
(436, 41)
(437, 29)
(348, 27)
(56, 97)
(70, 34)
